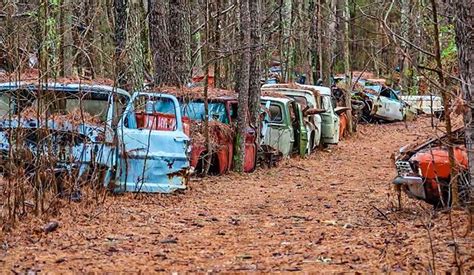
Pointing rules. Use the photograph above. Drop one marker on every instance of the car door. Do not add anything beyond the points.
(152, 146)
(300, 130)
(279, 133)
(330, 122)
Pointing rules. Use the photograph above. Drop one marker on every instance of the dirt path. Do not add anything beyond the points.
(334, 211)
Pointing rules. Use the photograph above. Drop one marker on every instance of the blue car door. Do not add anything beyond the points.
(152, 145)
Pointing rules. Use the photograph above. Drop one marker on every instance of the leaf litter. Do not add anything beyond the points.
(271, 220)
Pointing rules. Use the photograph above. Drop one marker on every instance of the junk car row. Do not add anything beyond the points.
(154, 140)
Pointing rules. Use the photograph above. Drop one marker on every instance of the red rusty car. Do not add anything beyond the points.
(424, 170)
(222, 111)
(222, 117)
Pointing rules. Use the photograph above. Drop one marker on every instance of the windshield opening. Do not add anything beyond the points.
(301, 100)
(327, 103)
(275, 113)
(195, 111)
(90, 106)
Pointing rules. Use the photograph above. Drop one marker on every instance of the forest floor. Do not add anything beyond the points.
(335, 211)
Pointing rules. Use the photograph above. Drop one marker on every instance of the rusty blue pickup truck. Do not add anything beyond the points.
(93, 133)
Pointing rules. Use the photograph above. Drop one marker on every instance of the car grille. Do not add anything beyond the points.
(404, 168)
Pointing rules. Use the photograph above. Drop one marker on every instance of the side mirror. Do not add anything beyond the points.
(340, 110)
(313, 111)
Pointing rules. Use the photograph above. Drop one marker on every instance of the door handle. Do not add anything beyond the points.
(179, 139)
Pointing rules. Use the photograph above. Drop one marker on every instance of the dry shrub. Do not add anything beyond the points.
(219, 133)
(32, 183)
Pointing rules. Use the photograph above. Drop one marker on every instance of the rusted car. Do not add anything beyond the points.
(88, 129)
(384, 103)
(423, 169)
(331, 121)
(425, 104)
(285, 128)
(310, 105)
(223, 106)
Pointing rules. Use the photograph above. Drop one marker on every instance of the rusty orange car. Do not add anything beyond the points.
(424, 171)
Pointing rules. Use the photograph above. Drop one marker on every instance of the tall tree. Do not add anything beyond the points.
(255, 71)
(242, 85)
(170, 41)
(121, 15)
(347, 64)
(314, 39)
(446, 100)
(464, 11)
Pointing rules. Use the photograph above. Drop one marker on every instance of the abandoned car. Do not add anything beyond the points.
(310, 104)
(83, 129)
(330, 118)
(385, 105)
(222, 115)
(285, 129)
(424, 170)
(425, 104)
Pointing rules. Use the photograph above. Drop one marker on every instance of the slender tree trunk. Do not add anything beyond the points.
(66, 50)
(404, 62)
(242, 86)
(447, 105)
(464, 11)
(207, 57)
(314, 38)
(255, 75)
(121, 16)
(326, 40)
(332, 38)
(347, 65)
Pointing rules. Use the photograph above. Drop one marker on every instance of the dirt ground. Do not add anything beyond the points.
(334, 211)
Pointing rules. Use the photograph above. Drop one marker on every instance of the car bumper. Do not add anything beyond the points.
(413, 186)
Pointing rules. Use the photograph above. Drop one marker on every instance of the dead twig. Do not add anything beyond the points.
(383, 214)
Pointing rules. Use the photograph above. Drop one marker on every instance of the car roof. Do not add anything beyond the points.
(300, 91)
(67, 87)
(322, 89)
(283, 100)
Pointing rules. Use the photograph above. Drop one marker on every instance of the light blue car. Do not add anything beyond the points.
(127, 143)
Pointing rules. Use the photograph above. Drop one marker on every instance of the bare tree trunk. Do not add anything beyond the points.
(65, 53)
(332, 39)
(447, 108)
(242, 86)
(179, 37)
(347, 65)
(121, 15)
(207, 58)
(313, 34)
(404, 62)
(327, 29)
(464, 40)
(170, 41)
(254, 82)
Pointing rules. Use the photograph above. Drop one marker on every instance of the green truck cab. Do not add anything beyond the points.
(284, 127)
